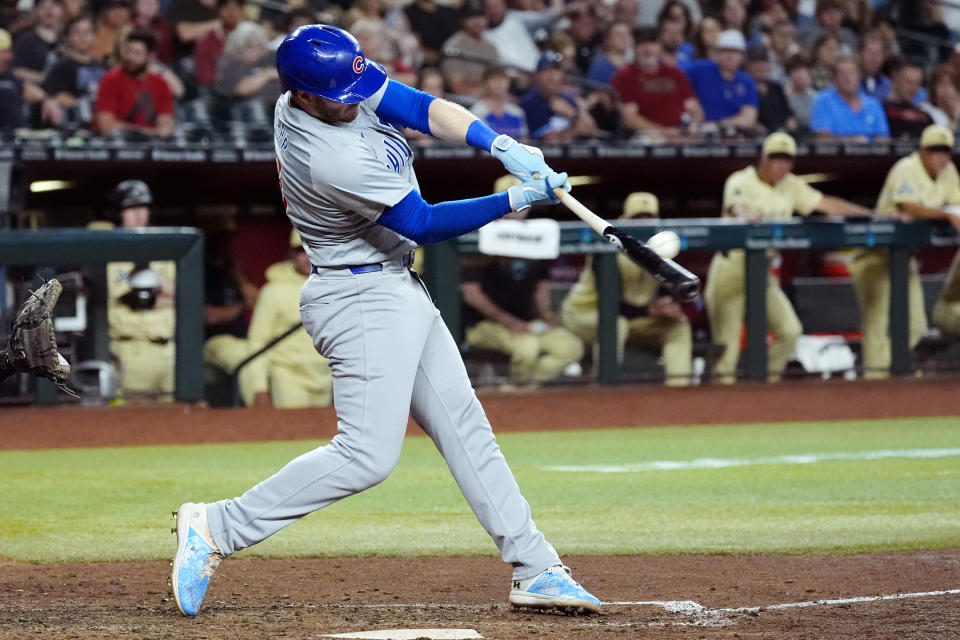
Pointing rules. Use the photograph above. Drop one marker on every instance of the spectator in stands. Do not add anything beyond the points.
(829, 16)
(209, 46)
(173, 81)
(845, 111)
(133, 98)
(244, 71)
(433, 24)
(773, 109)
(431, 80)
(656, 97)
(554, 114)
(676, 11)
(651, 12)
(762, 24)
(733, 16)
(727, 94)
(826, 53)
(510, 32)
(11, 17)
(467, 55)
(783, 46)
(705, 39)
(291, 374)
(382, 43)
(115, 15)
(627, 11)
(291, 21)
(670, 35)
(34, 49)
(71, 84)
(586, 34)
(885, 28)
(507, 304)
(617, 50)
(147, 16)
(192, 19)
(648, 313)
(799, 90)
(904, 116)
(496, 107)
(944, 105)
(12, 113)
(875, 83)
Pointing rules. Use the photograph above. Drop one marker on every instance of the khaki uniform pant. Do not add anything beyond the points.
(147, 366)
(673, 337)
(946, 315)
(725, 298)
(534, 357)
(871, 278)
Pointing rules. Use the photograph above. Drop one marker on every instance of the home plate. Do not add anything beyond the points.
(410, 634)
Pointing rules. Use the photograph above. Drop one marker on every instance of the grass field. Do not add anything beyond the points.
(647, 491)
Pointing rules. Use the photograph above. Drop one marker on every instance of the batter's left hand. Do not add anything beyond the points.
(524, 161)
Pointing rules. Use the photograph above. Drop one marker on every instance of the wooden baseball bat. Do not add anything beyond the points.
(682, 284)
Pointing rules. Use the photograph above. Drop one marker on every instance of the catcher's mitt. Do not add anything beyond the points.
(32, 347)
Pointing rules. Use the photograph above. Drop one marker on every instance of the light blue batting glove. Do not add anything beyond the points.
(523, 161)
(536, 192)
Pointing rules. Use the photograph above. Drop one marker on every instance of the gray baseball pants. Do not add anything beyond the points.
(392, 356)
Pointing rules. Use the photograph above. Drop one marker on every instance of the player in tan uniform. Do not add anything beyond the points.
(646, 313)
(917, 186)
(140, 309)
(766, 192)
(946, 313)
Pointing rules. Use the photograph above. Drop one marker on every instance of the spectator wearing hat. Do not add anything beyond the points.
(11, 88)
(115, 15)
(554, 114)
(845, 111)
(918, 186)
(648, 313)
(130, 96)
(905, 117)
(35, 49)
(799, 90)
(496, 107)
(773, 109)
(768, 191)
(433, 24)
(209, 46)
(614, 54)
(727, 94)
(71, 84)
(655, 96)
(829, 15)
(466, 54)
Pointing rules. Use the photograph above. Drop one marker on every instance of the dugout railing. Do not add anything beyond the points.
(442, 270)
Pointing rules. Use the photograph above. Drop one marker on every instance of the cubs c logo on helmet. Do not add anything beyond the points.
(358, 64)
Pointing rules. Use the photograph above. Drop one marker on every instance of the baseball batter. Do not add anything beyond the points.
(918, 186)
(646, 313)
(351, 192)
(767, 192)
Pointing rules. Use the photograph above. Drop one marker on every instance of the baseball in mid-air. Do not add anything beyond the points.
(665, 244)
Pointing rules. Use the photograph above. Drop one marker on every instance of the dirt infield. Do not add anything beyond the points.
(876, 596)
(257, 599)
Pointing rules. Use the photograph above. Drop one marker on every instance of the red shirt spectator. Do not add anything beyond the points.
(130, 96)
(209, 46)
(655, 95)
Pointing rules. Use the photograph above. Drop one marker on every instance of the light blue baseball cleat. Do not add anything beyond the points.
(196, 559)
(554, 589)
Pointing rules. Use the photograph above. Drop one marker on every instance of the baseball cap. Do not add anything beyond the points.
(640, 203)
(731, 39)
(505, 182)
(5, 42)
(779, 144)
(549, 59)
(937, 138)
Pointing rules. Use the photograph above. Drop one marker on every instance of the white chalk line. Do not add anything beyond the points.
(724, 463)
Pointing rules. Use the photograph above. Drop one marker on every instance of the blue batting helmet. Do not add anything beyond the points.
(328, 62)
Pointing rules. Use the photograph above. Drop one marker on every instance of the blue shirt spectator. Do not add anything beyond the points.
(617, 46)
(721, 98)
(833, 115)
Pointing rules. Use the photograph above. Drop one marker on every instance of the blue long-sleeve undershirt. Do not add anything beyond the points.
(425, 223)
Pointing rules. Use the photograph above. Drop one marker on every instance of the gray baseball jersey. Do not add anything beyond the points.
(337, 180)
(390, 351)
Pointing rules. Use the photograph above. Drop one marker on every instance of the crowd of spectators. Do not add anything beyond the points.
(547, 70)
